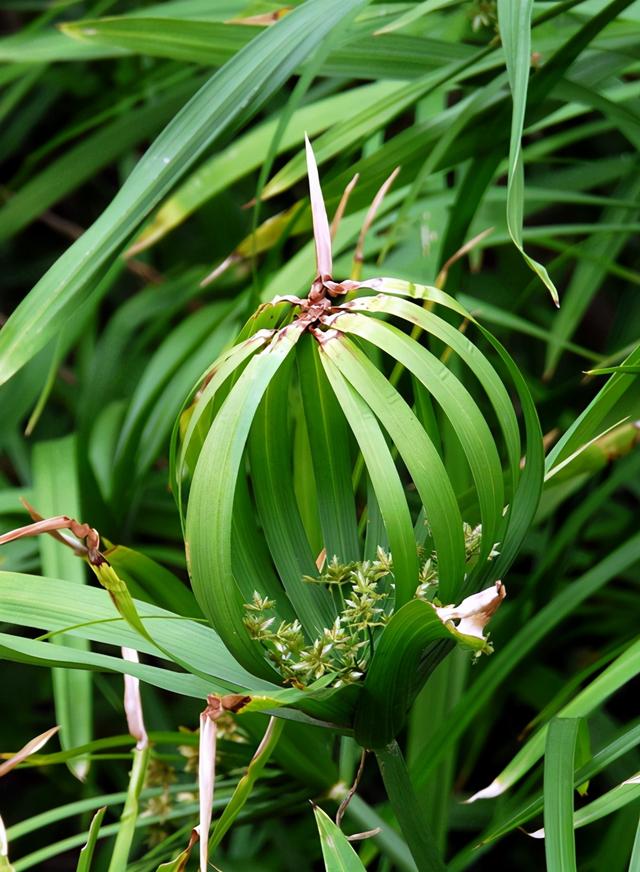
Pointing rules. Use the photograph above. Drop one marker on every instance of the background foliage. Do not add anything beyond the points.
(157, 126)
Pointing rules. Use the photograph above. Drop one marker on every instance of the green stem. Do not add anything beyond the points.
(130, 811)
(407, 809)
(246, 783)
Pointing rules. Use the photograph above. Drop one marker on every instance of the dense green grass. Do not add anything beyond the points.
(167, 139)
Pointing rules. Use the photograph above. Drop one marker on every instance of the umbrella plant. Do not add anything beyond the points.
(325, 539)
(329, 540)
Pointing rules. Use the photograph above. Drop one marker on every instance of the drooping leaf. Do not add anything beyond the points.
(208, 525)
(515, 31)
(222, 103)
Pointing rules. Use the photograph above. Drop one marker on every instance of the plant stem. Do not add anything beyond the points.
(407, 809)
(130, 812)
(246, 783)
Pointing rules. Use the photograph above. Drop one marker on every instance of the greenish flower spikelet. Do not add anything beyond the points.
(344, 650)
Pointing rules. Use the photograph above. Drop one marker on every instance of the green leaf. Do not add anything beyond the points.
(159, 585)
(230, 97)
(495, 673)
(610, 802)
(304, 481)
(385, 481)
(337, 853)
(559, 843)
(476, 362)
(209, 522)
(36, 653)
(86, 854)
(621, 744)
(514, 17)
(253, 561)
(328, 438)
(612, 370)
(416, 12)
(588, 424)
(271, 457)
(407, 808)
(52, 605)
(525, 500)
(214, 42)
(245, 155)
(199, 415)
(388, 840)
(211, 43)
(179, 864)
(403, 658)
(457, 404)
(131, 810)
(634, 862)
(55, 492)
(622, 670)
(376, 115)
(418, 453)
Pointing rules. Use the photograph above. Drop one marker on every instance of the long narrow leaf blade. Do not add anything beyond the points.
(232, 95)
(515, 30)
(56, 492)
(560, 846)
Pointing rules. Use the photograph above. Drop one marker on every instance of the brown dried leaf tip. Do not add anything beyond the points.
(319, 302)
(32, 747)
(86, 542)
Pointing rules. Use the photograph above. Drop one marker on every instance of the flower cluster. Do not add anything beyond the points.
(429, 579)
(364, 593)
(343, 650)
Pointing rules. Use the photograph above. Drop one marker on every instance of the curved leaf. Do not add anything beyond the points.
(417, 451)
(209, 522)
(87, 613)
(465, 417)
(270, 452)
(396, 672)
(388, 488)
(328, 439)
